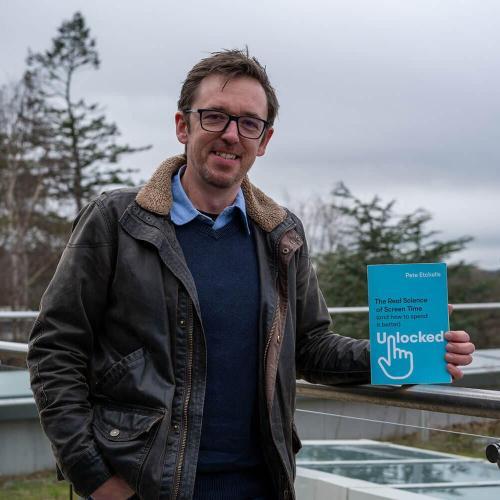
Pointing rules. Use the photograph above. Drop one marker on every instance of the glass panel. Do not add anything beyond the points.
(329, 452)
(456, 472)
(463, 493)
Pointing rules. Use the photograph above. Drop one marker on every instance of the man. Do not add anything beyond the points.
(164, 358)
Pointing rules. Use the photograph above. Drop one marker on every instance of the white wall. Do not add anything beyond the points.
(24, 448)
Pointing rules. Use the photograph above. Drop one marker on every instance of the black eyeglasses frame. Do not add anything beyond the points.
(231, 118)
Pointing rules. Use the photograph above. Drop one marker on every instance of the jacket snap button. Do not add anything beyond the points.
(182, 322)
(114, 432)
(286, 250)
(176, 427)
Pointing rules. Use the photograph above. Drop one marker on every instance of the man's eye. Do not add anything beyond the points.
(249, 123)
(213, 116)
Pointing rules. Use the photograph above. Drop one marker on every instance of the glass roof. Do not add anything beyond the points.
(462, 492)
(363, 451)
(434, 474)
(415, 473)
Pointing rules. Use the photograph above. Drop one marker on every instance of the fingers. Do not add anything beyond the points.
(457, 336)
(459, 352)
(458, 359)
(460, 348)
(450, 309)
(455, 372)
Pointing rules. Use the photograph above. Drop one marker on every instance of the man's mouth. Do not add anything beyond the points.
(226, 156)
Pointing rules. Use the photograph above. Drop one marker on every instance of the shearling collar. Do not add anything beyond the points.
(156, 196)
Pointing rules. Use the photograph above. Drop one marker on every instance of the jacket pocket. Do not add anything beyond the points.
(116, 372)
(125, 437)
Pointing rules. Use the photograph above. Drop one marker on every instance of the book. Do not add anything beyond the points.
(408, 317)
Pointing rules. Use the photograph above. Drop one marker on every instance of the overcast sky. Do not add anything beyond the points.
(395, 98)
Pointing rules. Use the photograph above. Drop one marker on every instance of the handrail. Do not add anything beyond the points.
(17, 347)
(331, 310)
(437, 398)
(18, 314)
(456, 307)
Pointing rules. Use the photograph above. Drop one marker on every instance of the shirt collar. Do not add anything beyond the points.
(183, 210)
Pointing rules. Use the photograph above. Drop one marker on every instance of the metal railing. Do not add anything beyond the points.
(443, 399)
(18, 314)
(332, 310)
(456, 307)
(15, 347)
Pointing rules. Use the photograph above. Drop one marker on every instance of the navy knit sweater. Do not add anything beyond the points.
(225, 270)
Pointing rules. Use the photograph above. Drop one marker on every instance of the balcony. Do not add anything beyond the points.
(346, 433)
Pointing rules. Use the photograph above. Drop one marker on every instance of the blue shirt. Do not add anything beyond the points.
(183, 211)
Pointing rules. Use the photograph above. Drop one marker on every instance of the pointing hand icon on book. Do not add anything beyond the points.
(399, 363)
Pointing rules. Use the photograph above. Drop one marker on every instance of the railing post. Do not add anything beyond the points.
(423, 422)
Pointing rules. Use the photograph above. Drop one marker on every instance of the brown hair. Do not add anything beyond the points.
(231, 63)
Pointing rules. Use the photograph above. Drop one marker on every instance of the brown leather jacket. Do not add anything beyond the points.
(117, 354)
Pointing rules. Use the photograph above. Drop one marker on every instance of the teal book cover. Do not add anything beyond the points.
(408, 317)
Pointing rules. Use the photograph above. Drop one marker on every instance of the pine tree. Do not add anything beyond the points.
(85, 145)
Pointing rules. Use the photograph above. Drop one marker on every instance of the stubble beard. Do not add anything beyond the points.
(221, 181)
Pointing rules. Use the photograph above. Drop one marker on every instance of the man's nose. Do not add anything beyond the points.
(230, 134)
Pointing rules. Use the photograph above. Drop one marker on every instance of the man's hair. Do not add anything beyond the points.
(231, 64)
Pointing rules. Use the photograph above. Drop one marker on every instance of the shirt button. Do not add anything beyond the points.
(114, 432)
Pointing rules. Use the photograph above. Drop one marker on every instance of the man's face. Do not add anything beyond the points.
(207, 152)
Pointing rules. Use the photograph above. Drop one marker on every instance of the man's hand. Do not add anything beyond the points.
(115, 488)
(459, 353)
(460, 350)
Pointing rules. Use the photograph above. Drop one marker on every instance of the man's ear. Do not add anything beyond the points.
(181, 127)
(264, 141)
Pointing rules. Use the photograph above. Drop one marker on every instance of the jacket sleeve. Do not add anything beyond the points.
(322, 356)
(71, 314)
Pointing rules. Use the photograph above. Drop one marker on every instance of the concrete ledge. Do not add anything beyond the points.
(18, 409)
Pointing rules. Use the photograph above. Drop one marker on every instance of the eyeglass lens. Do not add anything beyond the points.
(216, 121)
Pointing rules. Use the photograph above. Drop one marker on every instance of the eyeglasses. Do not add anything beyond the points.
(213, 120)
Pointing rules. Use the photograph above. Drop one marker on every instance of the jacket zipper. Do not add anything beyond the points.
(189, 371)
(270, 337)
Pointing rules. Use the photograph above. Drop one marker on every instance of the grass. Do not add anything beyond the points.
(453, 443)
(38, 486)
